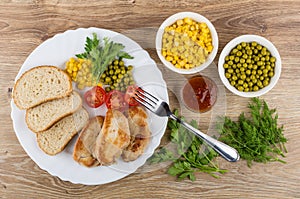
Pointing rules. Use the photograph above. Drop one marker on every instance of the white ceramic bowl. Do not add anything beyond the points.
(199, 18)
(249, 38)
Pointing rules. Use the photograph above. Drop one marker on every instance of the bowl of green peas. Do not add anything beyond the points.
(249, 65)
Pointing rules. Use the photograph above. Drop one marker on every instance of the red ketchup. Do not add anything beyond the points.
(199, 93)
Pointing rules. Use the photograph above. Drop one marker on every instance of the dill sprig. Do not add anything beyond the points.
(257, 138)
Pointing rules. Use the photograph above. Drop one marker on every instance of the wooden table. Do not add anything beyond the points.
(26, 24)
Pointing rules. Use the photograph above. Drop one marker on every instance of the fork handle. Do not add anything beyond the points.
(227, 152)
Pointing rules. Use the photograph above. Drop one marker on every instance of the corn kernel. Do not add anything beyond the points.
(169, 58)
(179, 22)
(187, 20)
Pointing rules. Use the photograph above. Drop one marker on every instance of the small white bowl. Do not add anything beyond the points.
(199, 18)
(249, 38)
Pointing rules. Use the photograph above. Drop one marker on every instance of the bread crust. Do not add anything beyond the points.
(54, 121)
(76, 123)
(45, 100)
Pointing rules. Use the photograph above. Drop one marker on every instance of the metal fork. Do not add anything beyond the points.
(161, 108)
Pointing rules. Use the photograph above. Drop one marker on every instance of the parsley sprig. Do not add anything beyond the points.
(190, 156)
(102, 53)
(257, 138)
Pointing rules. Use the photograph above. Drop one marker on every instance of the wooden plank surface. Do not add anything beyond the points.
(26, 24)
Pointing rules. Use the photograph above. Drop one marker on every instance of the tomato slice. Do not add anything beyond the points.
(95, 97)
(129, 96)
(115, 100)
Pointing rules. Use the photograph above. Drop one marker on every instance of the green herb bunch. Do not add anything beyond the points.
(190, 156)
(258, 138)
(102, 54)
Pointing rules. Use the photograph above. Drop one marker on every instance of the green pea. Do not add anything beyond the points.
(130, 67)
(259, 72)
(227, 75)
(253, 44)
(230, 70)
(234, 51)
(249, 52)
(245, 56)
(240, 88)
(259, 83)
(243, 77)
(116, 62)
(121, 63)
(259, 47)
(239, 53)
(255, 88)
(265, 82)
(272, 59)
(259, 63)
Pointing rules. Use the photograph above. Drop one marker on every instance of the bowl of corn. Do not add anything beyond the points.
(186, 42)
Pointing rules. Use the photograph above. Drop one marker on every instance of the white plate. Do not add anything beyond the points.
(56, 51)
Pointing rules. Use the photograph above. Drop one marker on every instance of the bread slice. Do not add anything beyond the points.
(85, 144)
(41, 84)
(43, 116)
(113, 138)
(139, 132)
(55, 139)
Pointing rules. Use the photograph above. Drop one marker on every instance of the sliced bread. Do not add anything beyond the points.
(43, 116)
(55, 139)
(86, 141)
(41, 84)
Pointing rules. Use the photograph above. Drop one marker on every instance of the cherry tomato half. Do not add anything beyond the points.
(129, 95)
(115, 100)
(95, 97)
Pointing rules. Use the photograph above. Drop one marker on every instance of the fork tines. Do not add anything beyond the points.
(146, 99)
